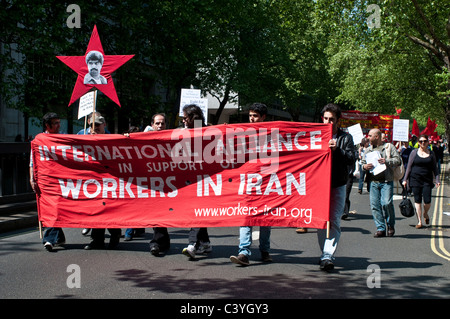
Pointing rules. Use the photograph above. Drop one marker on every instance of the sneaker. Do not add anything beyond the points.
(189, 251)
(48, 246)
(326, 265)
(265, 257)
(241, 259)
(205, 247)
(60, 243)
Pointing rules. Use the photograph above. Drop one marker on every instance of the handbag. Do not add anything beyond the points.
(406, 207)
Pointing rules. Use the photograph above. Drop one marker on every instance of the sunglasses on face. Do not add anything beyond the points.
(423, 141)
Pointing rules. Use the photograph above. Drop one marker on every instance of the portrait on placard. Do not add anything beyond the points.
(94, 61)
(94, 69)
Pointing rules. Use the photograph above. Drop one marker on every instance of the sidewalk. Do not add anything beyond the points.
(18, 212)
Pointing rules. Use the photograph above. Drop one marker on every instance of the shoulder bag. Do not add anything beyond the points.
(406, 207)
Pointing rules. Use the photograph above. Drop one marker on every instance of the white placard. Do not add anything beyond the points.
(188, 96)
(86, 105)
(400, 131)
(193, 96)
(191, 93)
(356, 132)
(202, 103)
(372, 158)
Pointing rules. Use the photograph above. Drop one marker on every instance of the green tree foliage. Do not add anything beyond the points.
(298, 54)
(401, 63)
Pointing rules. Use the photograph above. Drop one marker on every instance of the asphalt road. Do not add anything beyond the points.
(415, 263)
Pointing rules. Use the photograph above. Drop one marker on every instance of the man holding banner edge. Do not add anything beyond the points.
(342, 147)
(53, 236)
(257, 113)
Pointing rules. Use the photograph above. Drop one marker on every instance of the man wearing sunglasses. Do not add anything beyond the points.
(382, 183)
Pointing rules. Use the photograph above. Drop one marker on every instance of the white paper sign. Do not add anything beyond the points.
(372, 158)
(86, 105)
(192, 96)
(190, 93)
(356, 132)
(400, 130)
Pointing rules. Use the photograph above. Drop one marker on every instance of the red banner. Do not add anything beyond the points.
(253, 174)
(368, 121)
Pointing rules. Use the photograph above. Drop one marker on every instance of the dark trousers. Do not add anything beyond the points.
(197, 235)
(98, 234)
(160, 238)
(347, 194)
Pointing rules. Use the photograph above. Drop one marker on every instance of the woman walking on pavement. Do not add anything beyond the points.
(421, 176)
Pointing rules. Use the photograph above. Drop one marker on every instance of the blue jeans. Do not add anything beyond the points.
(129, 232)
(53, 235)
(382, 204)
(362, 174)
(337, 205)
(245, 239)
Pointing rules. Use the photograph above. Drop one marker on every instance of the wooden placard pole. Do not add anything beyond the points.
(328, 229)
(93, 112)
(40, 230)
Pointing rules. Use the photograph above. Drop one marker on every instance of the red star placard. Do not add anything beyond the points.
(94, 69)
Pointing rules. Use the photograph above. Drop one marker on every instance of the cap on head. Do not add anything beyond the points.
(99, 120)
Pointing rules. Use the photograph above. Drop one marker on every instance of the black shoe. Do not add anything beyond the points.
(94, 245)
(241, 259)
(380, 233)
(154, 250)
(326, 265)
(85, 231)
(265, 257)
(391, 231)
(344, 216)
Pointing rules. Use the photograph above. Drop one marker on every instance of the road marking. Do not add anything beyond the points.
(437, 235)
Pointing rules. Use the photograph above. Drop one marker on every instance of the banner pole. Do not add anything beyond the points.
(40, 229)
(328, 229)
(93, 111)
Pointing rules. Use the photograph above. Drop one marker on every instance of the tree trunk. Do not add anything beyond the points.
(222, 104)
